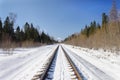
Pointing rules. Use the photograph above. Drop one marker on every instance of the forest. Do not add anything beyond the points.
(28, 36)
(104, 35)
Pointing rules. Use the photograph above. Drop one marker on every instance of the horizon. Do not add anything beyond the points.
(55, 17)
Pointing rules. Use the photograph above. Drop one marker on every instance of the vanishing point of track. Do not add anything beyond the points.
(44, 74)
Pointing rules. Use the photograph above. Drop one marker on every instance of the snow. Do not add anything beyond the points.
(59, 69)
(95, 64)
(92, 64)
(23, 63)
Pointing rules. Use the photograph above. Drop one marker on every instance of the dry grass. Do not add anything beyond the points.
(100, 39)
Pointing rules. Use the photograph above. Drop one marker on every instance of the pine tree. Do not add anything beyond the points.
(22, 36)
(8, 28)
(27, 31)
(45, 38)
(104, 22)
(98, 26)
(34, 33)
(92, 27)
(0, 30)
(17, 34)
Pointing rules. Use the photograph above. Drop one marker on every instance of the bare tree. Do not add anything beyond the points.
(113, 13)
(7, 43)
(12, 17)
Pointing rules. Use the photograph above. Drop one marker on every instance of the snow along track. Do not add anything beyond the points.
(73, 67)
(59, 67)
(23, 65)
(87, 69)
(42, 74)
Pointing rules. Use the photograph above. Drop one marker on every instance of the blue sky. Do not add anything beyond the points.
(59, 18)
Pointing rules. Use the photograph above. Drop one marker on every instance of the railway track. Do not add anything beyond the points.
(75, 74)
(42, 74)
(48, 68)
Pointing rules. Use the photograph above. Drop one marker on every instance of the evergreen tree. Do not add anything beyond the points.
(46, 38)
(17, 34)
(43, 37)
(8, 28)
(22, 36)
(92, 28)
(0, 30)
(104, 22)
(34, 33)
(98, 26)
(104, 19)
(84, 31)
(27, 31)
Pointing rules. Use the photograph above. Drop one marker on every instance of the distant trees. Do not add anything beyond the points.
(45, 38)
(9, 35)
(1, 30)
(105, 35)
(104, 22)
(8, 27)
(113, 13)
(31, 33)
(18, 35)
(90, 30)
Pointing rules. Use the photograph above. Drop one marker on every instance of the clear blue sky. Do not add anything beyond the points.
(59, 18)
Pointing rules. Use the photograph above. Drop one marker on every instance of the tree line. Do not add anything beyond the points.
(95, 35)
(91, 29)
(18, 35)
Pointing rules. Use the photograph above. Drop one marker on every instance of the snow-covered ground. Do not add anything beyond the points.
(60, 69)
(95, 64)
(24, 62)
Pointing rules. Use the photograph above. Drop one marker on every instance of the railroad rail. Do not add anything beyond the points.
(78, 76)
(50, 64)
(43, 74)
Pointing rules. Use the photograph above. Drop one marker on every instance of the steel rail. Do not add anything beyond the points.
(72, 64)
(49, 64)
(46, 67)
